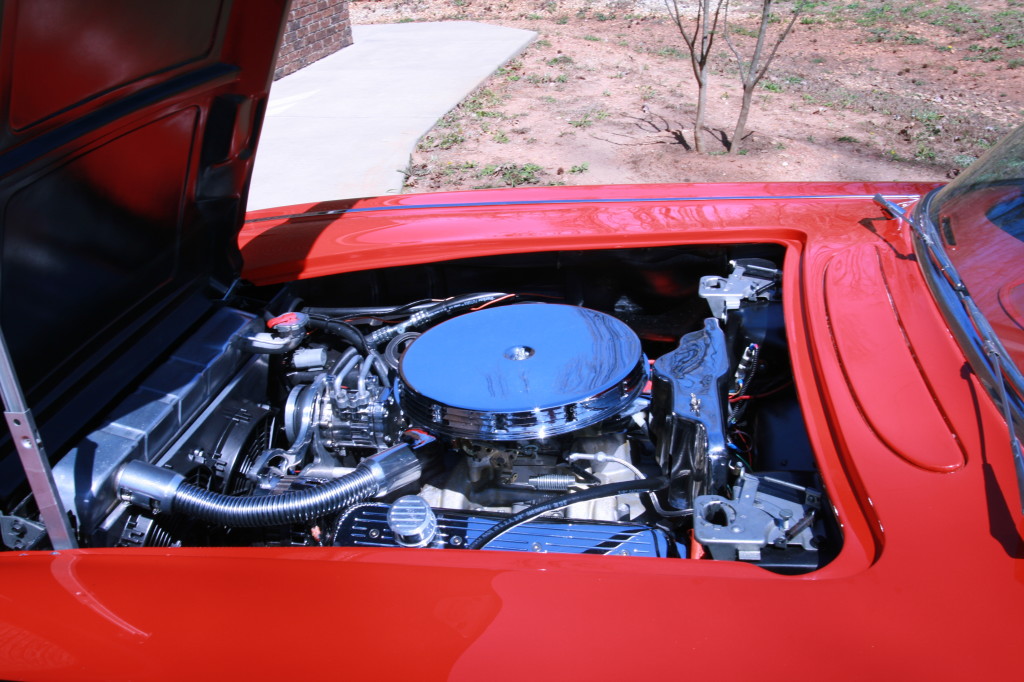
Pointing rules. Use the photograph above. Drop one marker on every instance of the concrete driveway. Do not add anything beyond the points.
(346, 125)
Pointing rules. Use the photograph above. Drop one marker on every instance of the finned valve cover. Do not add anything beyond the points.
(521, 372)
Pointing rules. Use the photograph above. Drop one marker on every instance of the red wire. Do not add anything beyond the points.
(484, 305)
(506, 296)
(738, 398)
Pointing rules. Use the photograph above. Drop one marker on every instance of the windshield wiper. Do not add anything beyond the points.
(1005, 375)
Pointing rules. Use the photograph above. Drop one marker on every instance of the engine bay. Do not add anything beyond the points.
(625, 402)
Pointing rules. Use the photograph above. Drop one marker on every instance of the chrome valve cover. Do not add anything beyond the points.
(367, 525)
(521, 372)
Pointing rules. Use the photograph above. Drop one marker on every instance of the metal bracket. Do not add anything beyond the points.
(33, 456)
(763, 511)
(750, 279)
(19, 533)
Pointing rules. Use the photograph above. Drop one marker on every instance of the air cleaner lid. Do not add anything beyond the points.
(522, 371)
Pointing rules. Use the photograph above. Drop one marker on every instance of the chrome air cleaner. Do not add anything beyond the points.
(521, 372)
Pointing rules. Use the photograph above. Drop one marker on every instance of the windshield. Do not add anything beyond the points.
(980, 220)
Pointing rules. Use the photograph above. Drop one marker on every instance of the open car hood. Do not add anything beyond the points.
(126, 146)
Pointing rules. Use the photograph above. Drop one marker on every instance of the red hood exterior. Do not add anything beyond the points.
(311, 240)
(929, 583)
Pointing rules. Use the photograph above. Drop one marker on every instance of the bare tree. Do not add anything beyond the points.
(752, 71)
(699, 42)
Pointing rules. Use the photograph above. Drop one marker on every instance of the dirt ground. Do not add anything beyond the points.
(869, 90)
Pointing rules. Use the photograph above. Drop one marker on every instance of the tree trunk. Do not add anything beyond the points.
(751, 73)
(741, 122)
(702, 101)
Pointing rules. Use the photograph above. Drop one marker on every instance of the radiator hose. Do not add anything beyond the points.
(163, 490)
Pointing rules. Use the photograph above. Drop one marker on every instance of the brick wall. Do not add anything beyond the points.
(315, 29)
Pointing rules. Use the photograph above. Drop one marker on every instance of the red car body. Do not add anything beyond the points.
(928, 584)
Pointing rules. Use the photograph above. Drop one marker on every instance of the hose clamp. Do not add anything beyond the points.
(148, 486)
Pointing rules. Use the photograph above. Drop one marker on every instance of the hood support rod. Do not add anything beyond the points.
(34, 460)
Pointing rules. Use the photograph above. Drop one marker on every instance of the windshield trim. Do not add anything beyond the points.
(985, 353)
(954, 298)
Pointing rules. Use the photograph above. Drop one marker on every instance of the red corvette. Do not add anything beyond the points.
(633, 432)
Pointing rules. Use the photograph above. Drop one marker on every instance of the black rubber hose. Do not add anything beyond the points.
(422, 318)
(588, 478)
(597, 492)
(343, 330)
(298, 377)
(369, 310)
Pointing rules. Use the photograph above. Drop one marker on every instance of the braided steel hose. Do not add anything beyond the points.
(163, 490)
(275, 510)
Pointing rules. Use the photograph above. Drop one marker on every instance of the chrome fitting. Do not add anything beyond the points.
(394, 468)
(402, 464)
(148, 486)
